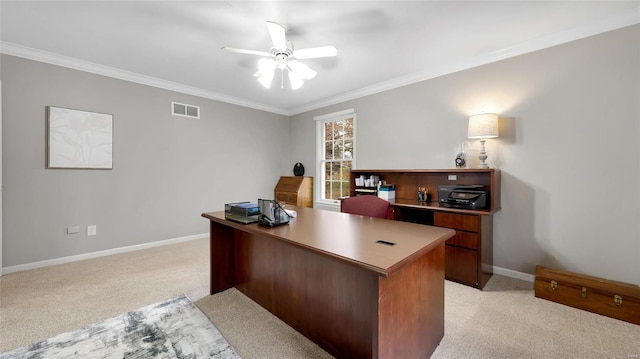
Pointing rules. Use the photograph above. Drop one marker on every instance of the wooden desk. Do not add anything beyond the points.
(325, 276)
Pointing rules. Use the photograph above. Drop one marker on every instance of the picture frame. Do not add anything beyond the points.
(78, 139)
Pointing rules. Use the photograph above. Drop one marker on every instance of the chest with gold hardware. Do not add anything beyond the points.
(606, 297)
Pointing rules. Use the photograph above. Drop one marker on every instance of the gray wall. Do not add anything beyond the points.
(167, 170)
(569, 148)
(1, 265)
(568, 151)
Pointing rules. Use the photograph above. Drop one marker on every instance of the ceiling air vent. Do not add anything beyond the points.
(181, 109)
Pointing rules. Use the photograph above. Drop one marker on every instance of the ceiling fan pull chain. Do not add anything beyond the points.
(281, 79)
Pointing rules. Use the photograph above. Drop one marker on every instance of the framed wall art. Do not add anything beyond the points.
(79, 139)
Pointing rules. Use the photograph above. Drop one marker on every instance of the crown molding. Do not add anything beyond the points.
(595, 28)
(86, 66)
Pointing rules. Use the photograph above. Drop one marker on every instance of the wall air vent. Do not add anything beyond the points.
(184, 110)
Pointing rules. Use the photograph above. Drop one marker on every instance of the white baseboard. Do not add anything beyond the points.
(22, 267)
(108, 252)
(514, 274)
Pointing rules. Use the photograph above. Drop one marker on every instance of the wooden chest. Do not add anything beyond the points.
(610, 298)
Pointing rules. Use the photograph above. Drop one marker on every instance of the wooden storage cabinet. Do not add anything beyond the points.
(464, 262)
(297, 191)
(287, 197)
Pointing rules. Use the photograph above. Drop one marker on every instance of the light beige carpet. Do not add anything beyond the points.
(503, 321)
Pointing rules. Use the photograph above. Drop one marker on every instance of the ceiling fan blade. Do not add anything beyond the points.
(277, 33)
(324, 51)
(248, 52)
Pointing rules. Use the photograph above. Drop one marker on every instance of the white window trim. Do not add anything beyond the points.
(319, 182)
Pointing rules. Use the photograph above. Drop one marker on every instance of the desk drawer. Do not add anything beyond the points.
(464, 222)
(461, 265)
(464, 239)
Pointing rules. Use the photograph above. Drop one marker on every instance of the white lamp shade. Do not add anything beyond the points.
(484, 125)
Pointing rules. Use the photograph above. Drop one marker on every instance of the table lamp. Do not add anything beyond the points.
(483, 126)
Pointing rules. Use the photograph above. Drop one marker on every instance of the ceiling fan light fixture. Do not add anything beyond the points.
(282, 56)
(265, 79)
(266, 65)
(295, 80)
(266, 69)
(303, 71)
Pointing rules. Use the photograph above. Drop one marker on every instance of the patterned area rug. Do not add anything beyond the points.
(171, 329)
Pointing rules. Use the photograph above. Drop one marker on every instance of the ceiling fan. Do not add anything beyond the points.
(284, 57)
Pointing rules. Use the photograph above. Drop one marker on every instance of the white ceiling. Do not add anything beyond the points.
(381, 44)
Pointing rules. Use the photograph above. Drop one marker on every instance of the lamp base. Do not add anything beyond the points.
(482, 156)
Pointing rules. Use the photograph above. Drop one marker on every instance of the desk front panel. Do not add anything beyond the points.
(331, 303)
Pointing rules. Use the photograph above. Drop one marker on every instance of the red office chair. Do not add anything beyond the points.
(371, 206)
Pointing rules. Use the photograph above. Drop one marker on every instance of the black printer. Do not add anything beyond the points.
(463, 196)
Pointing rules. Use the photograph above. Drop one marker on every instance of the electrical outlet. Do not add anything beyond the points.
(91, 230)
(73, 229)
(452, 177)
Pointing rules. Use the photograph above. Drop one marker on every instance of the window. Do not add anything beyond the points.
(335, 153)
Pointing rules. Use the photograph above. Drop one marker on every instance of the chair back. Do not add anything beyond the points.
(371, 206)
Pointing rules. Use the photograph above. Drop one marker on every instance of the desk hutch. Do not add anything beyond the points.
(468, 254)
